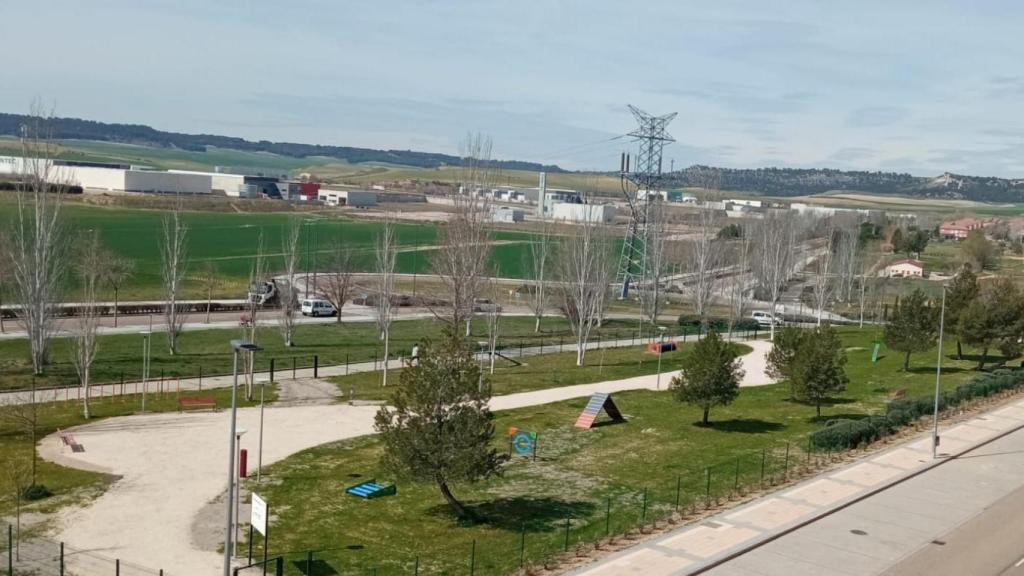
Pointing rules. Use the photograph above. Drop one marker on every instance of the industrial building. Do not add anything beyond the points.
(354, 198)
(604, 213)
(508, 214)
(115, 177)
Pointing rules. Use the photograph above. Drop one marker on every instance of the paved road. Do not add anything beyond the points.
(990, 544)
(864, 519)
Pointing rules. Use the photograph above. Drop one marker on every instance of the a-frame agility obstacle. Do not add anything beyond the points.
(599, 401)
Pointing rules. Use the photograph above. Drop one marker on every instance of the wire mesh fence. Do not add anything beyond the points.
(28, 554)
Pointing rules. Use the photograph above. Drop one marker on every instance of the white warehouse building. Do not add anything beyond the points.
(228, 184)
(604, 213)
(115, 177)
(354, 198)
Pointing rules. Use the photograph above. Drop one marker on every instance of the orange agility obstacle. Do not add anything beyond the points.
(599, 401)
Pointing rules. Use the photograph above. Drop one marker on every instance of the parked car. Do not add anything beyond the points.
(764, 319)
(485, 305)
(316, 308)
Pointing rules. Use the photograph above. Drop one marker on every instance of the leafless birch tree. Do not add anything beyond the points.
(540, 250)
(493, 316)
(38, 243)
(702, 260)
(652, 298)
(338, 281)
(584, 260)
(738, 284)
(23, 417)
(776, 236)
(173, 257)
(89, 264)
(385, 253)
(287, 289)
(6, 271)
(208, 277)
(823, 284)
(461, 259)
(117, 271)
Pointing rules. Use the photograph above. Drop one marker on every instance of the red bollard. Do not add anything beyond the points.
(243, 460)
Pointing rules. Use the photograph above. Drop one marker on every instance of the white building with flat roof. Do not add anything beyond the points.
(354, 198)
(604, 213)
(115, 177)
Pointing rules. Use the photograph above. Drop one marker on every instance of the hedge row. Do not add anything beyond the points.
(692, 323)
(844, 434)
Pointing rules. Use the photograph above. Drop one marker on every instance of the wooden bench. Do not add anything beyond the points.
(197, 403)
(69, 441)
(897, 394)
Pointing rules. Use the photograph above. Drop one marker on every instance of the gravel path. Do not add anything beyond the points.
(172, 465)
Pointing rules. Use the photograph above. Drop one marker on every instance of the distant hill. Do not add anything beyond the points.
(74, 128)
(802, 182)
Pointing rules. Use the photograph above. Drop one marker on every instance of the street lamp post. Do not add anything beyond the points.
(661, 342)
(236, 491)
(938, 378)
(145, 365)
(236, 346)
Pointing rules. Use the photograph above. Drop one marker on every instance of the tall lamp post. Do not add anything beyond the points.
(938, 378)
(145, 365)
(237, 346)
(661, 342)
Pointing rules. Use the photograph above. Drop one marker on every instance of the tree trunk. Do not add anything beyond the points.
(704, 419)
(984, 356)
(85, 395)
(387, 343)
(536, 325)
(209, 301)
(115, 307)
(906, 361)
(455, 505)
(959, 350)
(817, 407)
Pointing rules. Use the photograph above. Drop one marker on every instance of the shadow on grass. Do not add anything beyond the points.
(314, 568)
(540, 514)
(840, 416)
(931, 370)
(746, 425)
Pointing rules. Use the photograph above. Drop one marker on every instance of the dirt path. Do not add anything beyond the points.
(172, 465)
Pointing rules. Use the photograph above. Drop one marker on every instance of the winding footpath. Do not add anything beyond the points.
(171, 465)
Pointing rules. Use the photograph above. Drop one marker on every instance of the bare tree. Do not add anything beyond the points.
(89, 265)
(651, 296)
(584, 260)
(774, 267)
(117, 271)
(493, 315)
(6, 271)
(338, 282)
(257, 274)
(173, 250)
(23, 417)
(288, 291)
(703, 257)
(38, 240)
(16, 477)
(385, 252)
(208, 277)
(461, 259)
(738, 285)
(846, 244)
(821, 269)
(540, 250)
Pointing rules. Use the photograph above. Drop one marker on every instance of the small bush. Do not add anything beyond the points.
(36, 492)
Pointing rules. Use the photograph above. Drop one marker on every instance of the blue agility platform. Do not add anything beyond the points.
(372, 489)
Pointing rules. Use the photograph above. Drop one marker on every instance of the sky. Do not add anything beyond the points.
(911, 86)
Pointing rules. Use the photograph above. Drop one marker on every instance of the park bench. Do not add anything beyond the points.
(897, 394)
(196, 403)
(69, 441)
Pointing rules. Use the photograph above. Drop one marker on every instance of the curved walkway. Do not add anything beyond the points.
(171, 465)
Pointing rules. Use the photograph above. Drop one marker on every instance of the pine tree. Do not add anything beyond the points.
(913, 326)
(710, 375)
(818, 368)
(780, 358)
(994, 318)
(439, 427)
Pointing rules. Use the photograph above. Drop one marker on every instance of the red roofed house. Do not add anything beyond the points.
(907, 267)
(959, 228)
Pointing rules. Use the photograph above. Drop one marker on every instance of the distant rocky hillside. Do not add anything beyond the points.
(799, 182)
(74, 128)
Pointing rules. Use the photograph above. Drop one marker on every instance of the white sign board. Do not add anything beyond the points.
(258, 518)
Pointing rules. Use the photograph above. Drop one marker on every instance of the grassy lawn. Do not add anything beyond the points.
(541, 371)
(577, 474)
(332, 343)
(70, 485)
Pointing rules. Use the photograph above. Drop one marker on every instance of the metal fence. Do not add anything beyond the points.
(33, 555)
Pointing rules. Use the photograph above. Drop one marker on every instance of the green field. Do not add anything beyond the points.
(589, 477)
(209, 351)
(230, 241)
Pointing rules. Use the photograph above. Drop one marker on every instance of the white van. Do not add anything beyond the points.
(764, 319)
(318, 308)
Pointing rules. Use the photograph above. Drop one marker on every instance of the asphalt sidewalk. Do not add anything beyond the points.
(860, 519)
